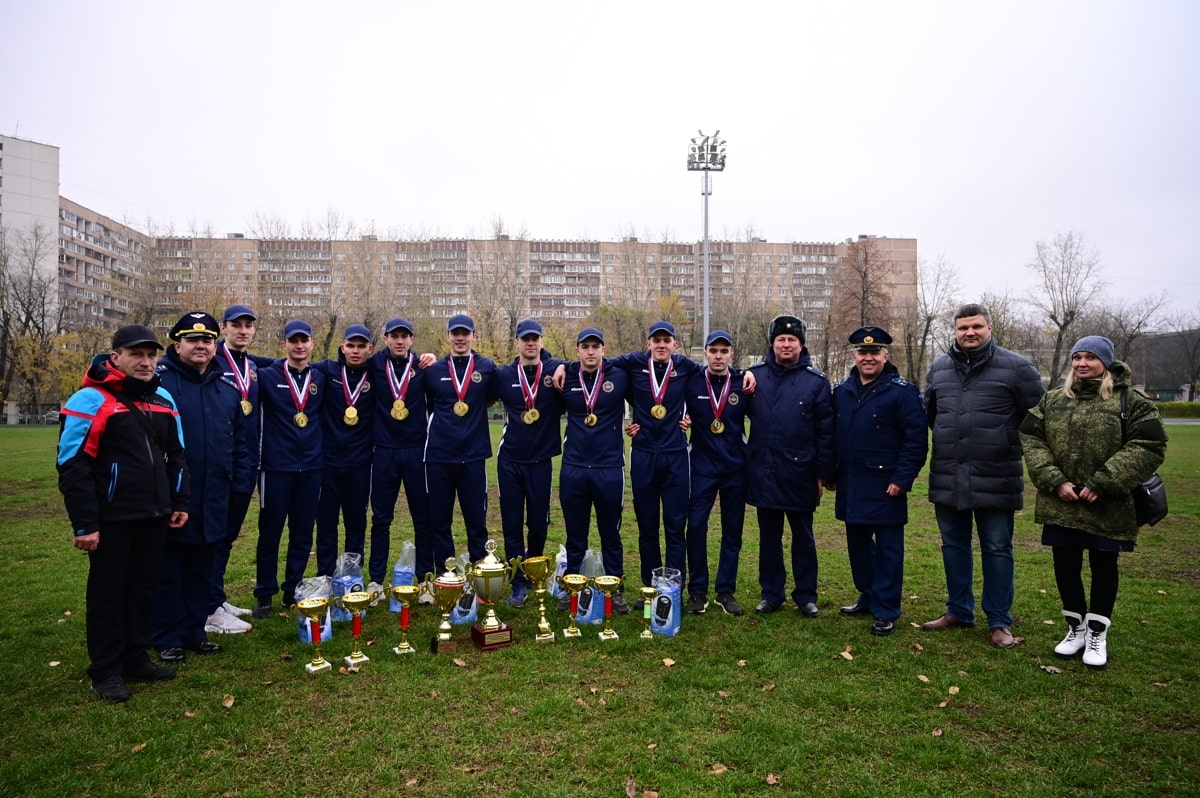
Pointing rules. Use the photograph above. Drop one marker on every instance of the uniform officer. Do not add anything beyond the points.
(291, 395)
(532, 438)
(881, 443)
(346, 417)
(716, 408)
(215, 434)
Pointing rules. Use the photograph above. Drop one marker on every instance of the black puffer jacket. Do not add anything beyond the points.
(976, 402)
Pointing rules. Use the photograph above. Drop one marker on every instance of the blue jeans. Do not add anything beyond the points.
(995, 545)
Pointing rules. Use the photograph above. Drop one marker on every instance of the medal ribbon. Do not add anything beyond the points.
(591, 397)
(460, 388)
(241, 378)
(299, 399)
(658, 392)
(399, 386)
(530, 392)
(718, 405)
(352, 396)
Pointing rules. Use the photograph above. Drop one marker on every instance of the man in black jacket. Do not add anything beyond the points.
(124, 481)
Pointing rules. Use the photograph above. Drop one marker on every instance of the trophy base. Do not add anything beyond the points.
(493, 639)
(353, 661)
(544, 637)
(318, 667)
(571, 633)
(409, 650)
(443, 646)
(609, 635)
(646, 635)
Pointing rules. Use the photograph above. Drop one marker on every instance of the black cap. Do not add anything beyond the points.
(132, 335)
(195, 323)
(866, 339)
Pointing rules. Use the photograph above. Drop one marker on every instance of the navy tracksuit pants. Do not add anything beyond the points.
(285, 497)
(579, 490)
(389, 469)
(524, 501)
(344, 492)
(467, 481)
(661, 481)
(705, 488)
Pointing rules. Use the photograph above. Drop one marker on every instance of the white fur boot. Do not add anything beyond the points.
(1095, 652)
(1076, 638)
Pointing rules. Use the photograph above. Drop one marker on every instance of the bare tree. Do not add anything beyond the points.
(1124, 321)
(31, 315)
(929, 321)
(1069, 283)
(262, 224)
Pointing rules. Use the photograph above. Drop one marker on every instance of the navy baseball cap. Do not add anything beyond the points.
(397, 324)
(197, 323)
(866, 339)
(718, 335)
(528, 327)
(357, 331)
(589, 332)
(661, 326)
(238, 312)
(132, 335)
(296, 327)
(460, 322)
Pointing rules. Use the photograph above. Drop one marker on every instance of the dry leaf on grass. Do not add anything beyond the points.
(718, 768)
(741, 663)
(594, 690)
(410, 783)
(1042, 591)
(471, 768)
(138, 747)
(54, 663)
(602, 702)
(434, 694)
(937, 732)
(189, 714)
(652, 746)
(914, 624)
(227, 701)
(371, 641)
(668, 661)
(772, 779)
(67, 613)
(923, 678)
(953, 690)
(943, 705)
(845, 654)
(630, 788)
(650, 794)
(1162, 592)
(1050, 669)
(460, 662)
(962, 673)
(723, 694)
(1049, 622)
(768, 688)
(580, 702)
(286, 656)
(918, 646)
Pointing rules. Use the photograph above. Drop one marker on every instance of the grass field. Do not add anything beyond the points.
(730, 707)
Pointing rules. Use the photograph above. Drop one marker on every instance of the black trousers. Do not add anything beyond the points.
(122, 577)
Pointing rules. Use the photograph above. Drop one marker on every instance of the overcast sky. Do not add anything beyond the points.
(976, 128)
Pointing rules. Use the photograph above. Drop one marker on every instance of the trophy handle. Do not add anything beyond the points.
(515, 565)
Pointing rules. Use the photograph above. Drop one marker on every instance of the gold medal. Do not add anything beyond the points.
(658, 411)
(247, 408)
(351, 412)
(461, 408)
(717, 426)
(399, 413)
(301, 419)
(350, 416)
(590, 419)
(531, 415)
(397, 405)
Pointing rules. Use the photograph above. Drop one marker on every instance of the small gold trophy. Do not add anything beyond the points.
(608, 585)
(406, 595)
(356, 604)
(489, 577)
(314, 610)
(446, 591)
(537, 569)
(573, 584)
(648, 595)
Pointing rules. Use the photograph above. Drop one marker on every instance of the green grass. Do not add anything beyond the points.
(759, 697)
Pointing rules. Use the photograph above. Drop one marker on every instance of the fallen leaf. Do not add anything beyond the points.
(138, 747)
(1159, 684)
(914, 624)
(953, 690)
(189, 714)
(433, 694)
(723, 694)
(668, 661)
(410, 783)
(286, 656)
(1049, 622)
(845, 654)
(772, 778)
(460, 662)
(913, 598)
(595, 690)
(471, 768)
(937, 732)
(54, 663)
(943, 705)
(1042, 591)
(918, 646)
(67, 613)
(579, 701)
(611, 690)
(1162, 592)
(652, 746)
(923, 677)
(268, 683)
(741, 663)
(1050, 669)
(227, 701)
(650, 794)
(768, 688)
(719, 768)
(515, 711)
(603, 703)
(962, 673)
(848, 649)
(630, 788)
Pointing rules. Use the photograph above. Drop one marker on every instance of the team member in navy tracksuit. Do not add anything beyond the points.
(458, 388)
(881, 439)
(790, 458)
(346, 418)
(593, 463)
(291, 394)
(215, 436)
(238, 329)
(124, 480)
(717, 411)
(532, 438)
(398, 389)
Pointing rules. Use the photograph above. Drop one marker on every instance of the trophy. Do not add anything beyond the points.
(446, 590)
(356, 604)
(490, 576)
(573, 584)
(406, 595)
(537, 569)
(648, 594)
(314, 609)
(607, 585)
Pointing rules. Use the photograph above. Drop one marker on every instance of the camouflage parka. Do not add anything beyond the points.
(1082, 440)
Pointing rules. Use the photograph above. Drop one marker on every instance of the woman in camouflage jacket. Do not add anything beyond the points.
(1085, 459)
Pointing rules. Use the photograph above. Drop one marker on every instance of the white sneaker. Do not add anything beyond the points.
(1095, 653)
(425, 598)
(238, 612)
(222, 623)
(1076, 639)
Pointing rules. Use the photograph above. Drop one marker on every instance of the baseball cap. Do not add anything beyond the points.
(718, 335)
(134, 335)
(661, 326)
(357, 331)
(397, 324)
(589, 332)
(460, 322)
(296, 327)
(528, 327)
(238, 312)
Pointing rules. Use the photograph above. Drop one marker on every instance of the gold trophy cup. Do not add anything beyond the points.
(406, 595)
(489, 577)
(356, 603)
(573, 584)
(314, 610)
(446, 591)
(648, 595)
(607, 585)
(537, 569)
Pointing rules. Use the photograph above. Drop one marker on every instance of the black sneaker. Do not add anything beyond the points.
(727, 603)
(112, 689)
(882, 628)
(697, 603)
(262, 607)
(638, 604)
(149, 672)
(288, 600)
(620, 605)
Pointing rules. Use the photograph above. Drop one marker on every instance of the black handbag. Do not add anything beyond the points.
(1149, 498)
